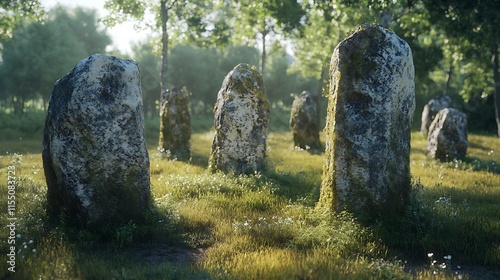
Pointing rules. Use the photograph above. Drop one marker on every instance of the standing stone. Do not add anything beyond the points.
(175, 125)
(371, 106)
(430, 111)
(241, 123)
(447, 139)
(94, 152)
(304, 122)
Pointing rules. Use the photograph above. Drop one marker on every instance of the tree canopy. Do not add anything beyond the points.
(13, 11)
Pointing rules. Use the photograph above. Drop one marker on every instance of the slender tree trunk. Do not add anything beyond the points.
(164, 53)
(263, 57)
(321, 81)
(496, 94)
(163, 74)
(448, 80)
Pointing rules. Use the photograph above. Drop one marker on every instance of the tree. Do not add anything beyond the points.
(13, 11)
(260, 20)
(40, 53)
(476, 24)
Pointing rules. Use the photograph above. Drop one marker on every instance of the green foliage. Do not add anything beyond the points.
(198, 70)
(14, 127)
(473, 27)
(149, 66)
(12, 12)
(39, 54)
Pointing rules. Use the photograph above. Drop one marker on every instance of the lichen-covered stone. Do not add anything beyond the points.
(241, 123)
(430, 110)
(447, 139)
(94, 152)
(175, 125)
(370, 109)
(304, 122)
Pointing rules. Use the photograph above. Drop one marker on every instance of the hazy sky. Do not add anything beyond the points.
(122, 35)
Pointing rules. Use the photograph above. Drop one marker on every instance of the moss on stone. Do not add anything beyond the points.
(358, 175)
(241, 121)
(175, 126)
(305, 122)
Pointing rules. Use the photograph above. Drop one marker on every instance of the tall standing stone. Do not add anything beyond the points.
(175, 125)
(371, 106)
(241, 122)
(430, 111)
(94, 152)
(447, 139)
(304, 122)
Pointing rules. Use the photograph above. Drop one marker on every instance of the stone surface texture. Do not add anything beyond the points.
(430, 111)
(305, 122)
(175, 125)
(370, 110)
(447, 139)
(241, 123)
(94, 152)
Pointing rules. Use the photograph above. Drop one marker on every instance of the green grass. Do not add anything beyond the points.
(265, 226)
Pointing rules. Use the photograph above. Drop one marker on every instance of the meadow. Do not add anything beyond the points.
(265, 225)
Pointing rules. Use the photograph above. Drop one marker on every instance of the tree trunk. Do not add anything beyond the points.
(164, 53)
(163, 72)
(448, 79)
(263, 57)
(496, 94)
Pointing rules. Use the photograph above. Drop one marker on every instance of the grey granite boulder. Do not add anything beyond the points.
(241, 123)
(430, 111)
(447, 139)
(304, 122)
(370, 110)
(94, 152)
(175, 125)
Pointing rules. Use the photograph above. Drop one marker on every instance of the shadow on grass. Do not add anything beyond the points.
(481, 165)
(150, 249)
(415, 151)
(446, 221)
(295, 186)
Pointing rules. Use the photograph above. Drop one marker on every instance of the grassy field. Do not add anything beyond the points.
(265, 226)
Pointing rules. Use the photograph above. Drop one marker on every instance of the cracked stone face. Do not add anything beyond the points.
(94, 152)
(241, 123)
(370, 110)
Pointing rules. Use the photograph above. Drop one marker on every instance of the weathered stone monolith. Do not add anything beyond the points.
(430, 110)
(94, 152)
(241, 122)
(175, 125)
(370, 109)
(304, 122)
(447, 139)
